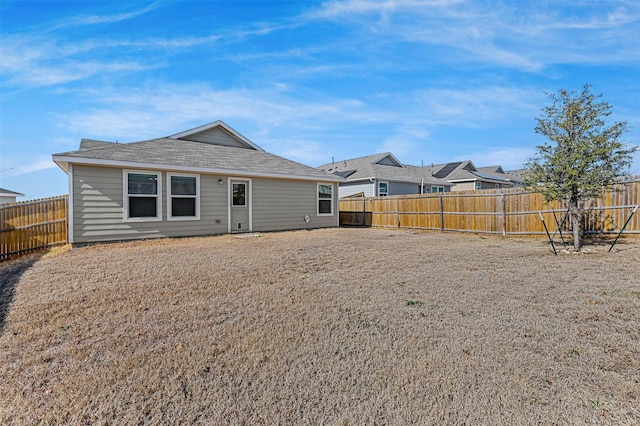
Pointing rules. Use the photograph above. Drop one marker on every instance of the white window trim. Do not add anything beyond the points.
(170, 216)
(125, 195)
(387, 193)
(333, 191)
(438, 187)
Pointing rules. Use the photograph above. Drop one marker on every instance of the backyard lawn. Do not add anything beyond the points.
(336, 326)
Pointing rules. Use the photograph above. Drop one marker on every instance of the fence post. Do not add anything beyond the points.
(441, 213)
(504, 214)
(516, 215)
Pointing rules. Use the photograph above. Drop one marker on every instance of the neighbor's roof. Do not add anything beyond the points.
(518, 175)
(384, 166)
(465, 171)
(171, 153)
(8, 193)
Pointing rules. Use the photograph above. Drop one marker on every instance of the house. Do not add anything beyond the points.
(383, 174)
(203, 181)
(7, 196)
(466, 177)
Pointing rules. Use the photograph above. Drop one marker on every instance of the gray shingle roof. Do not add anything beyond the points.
(6, 192)
(178, 153)
(438, 174)
(367, 167)
(466, 171)
(93, 144)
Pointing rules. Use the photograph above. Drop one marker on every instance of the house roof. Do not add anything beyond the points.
(92, 144)
(8, 193)
(465, 171)
(383, 166)
(517, 175)
(178, 153)
(491, 169)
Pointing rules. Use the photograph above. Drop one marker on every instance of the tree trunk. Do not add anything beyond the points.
(576, 225)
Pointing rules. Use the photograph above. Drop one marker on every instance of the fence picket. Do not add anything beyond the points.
(513, 211)
(32, 225)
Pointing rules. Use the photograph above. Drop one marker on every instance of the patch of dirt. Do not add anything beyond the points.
(335, 326)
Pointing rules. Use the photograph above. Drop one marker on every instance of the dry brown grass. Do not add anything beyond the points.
(337, 326)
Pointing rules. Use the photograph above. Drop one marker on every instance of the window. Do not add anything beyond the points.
(383, 189)
(142, 200)
(437, 189)
(183, 197)
(325, 199)
(239, 195)
(478, 184)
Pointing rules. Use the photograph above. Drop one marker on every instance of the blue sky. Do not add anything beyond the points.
(431, 81)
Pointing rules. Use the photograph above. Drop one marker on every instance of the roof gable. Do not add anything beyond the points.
(389, 160)
(216, 133)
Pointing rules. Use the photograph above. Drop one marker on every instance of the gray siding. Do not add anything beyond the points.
(98, 209)
(216, 136)
(464, 186)
(401, 188)
(98, 206)
(427, 188)
(283, 204)
(8, 199)
(350, 188)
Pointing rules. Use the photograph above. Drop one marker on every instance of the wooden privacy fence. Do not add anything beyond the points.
(32, 225)
(512, 211)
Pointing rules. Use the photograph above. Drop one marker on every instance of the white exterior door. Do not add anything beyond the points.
(240, 206)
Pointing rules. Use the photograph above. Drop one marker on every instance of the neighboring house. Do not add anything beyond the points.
(7, 196)
(518, 176)
(383, 174)
(466, 177)
(203, 181)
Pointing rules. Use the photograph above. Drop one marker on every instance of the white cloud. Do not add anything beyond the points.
(36, 60)
(27, 165)
(524, 35)
(305, 151)
(406, 141)
(354, 8)
(80, 20)
(508, 158)
(473, 107)
(139, 112)
(295, 124)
